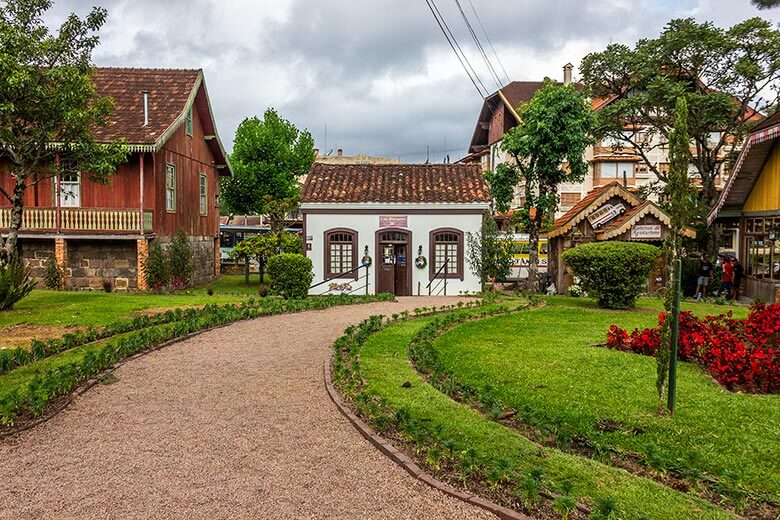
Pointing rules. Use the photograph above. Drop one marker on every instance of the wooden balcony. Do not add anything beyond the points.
(80, 220)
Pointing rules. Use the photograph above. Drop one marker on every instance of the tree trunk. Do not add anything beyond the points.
(246, 271)
(261, 268)
(533, 255)
(15, 224)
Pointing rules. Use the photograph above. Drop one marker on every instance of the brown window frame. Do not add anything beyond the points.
(458, 274)
(327, 240)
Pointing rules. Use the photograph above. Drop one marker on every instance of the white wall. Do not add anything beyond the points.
(366, 226)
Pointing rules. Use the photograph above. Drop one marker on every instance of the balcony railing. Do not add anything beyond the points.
(80, 220)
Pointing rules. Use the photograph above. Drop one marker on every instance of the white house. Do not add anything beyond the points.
(397, 228)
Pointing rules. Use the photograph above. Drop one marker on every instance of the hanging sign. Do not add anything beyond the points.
(393, 221)
(646, 232)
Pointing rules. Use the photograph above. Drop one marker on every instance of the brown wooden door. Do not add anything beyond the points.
(393, 274)
(401, 271)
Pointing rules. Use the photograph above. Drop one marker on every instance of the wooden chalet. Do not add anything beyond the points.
(610, 212)
(170, 182)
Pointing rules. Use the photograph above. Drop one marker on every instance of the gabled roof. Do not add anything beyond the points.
(395, 183)
(623, 223)
(511, 96)
(748, 167)
(171, 94)
(589, 204)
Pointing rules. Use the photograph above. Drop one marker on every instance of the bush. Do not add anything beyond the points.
(740, 354)
(15, 283)
(180, 258)
(108, 285)
(291, 275)
(615, 273)
(52, 274)
(156, 268)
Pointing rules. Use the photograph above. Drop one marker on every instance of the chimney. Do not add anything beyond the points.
(340, 152)
(567, 73)
(146, 107)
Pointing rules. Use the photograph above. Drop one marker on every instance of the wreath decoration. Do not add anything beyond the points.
(420, 262)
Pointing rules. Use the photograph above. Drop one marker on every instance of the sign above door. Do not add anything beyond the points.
(393, 221)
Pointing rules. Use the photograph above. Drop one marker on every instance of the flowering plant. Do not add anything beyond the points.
(740, 354)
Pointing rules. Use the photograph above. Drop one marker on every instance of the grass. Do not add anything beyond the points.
(541, 363)
(385, 368)
(65, 309)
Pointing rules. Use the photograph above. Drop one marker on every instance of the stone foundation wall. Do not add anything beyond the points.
(35, 252)
(89, 262)
(203, 256)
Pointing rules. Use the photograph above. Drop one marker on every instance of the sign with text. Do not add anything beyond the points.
(393, 221)
(646, 232)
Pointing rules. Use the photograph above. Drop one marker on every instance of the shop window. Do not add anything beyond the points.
(763, 248)
(341, 253)
(446, 246)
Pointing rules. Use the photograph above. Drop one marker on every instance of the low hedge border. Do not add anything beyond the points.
(375, 410)
(13, 358)
(32, 399)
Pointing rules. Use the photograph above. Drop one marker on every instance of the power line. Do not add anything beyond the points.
(464, 61)
(479, 45)
(484, 31)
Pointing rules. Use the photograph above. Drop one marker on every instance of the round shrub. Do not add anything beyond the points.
(615, 273)
(291, 275)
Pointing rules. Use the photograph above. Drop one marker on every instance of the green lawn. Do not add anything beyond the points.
(542, 364)
(71, 308)
(498, 452)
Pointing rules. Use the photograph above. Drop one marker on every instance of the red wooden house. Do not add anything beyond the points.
(169, 182)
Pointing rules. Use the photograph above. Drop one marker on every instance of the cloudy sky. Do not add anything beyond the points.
(378, 74)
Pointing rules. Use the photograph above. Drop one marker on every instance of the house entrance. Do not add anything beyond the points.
(394, 274)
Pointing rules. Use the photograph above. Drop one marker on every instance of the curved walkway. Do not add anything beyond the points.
(233, 423)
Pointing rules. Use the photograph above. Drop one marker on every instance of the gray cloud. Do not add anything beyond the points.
(377, 72)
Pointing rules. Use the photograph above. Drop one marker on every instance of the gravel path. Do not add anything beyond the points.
(234, 423)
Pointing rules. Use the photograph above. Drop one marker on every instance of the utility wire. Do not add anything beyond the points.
(479, 45)
(484, 31)
(470, 72)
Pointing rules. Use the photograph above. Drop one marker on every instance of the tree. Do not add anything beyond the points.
(48, 104)
(766, 4)
(726, 76)
(262, 247)
(547, 148)
(681, 208)
(269, 156)
(489, 251)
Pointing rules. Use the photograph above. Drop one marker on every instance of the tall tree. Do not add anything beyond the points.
(489, 251)
(725, 74)
(766, 4)
(269, 156)
(681, 207)
(48, 104)
(547, 148)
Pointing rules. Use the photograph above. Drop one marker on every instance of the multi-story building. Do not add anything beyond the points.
(610, 159)
(170, 181)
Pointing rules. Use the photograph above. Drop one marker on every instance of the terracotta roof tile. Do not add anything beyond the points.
(396, 183)
(770, 121)
(169, 90)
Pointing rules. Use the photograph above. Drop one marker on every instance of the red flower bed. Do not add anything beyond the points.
(740, 354)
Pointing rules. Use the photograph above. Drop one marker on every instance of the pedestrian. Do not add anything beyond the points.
(738, 272)
(727, 279)
(705, 270)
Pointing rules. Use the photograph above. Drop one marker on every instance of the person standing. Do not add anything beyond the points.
(727, 279)
(705, 270)
(738, 272)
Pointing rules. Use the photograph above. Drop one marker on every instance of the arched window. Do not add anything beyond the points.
(341, 253)
(446, 245)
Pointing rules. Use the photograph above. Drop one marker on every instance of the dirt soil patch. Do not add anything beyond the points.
(21, 335)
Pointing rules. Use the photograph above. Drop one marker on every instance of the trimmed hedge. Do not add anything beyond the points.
(291, 275)
(615, 273)
(32, 397)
